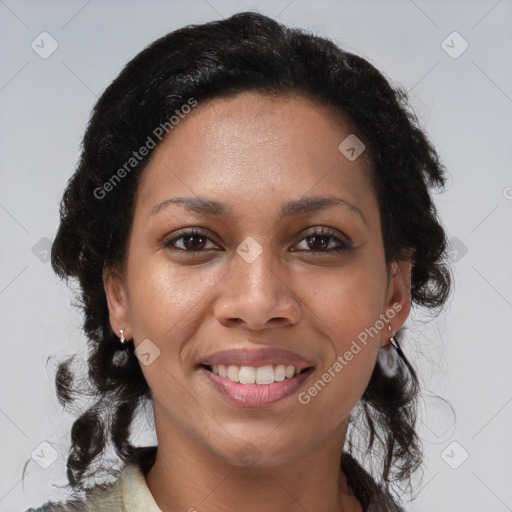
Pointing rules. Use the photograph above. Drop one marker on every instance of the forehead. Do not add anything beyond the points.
(254, 145)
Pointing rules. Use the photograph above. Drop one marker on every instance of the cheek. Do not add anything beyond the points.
(167, 304)
(346, 306)
(346, 370)
(347, 301)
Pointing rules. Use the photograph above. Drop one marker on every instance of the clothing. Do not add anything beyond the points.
(130, 493)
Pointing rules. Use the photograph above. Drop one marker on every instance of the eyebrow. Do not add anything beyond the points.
(304, 205)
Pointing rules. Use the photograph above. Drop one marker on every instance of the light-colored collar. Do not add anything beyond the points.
(134, 491)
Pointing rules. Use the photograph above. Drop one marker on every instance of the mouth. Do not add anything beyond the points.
(255, 387)
(259, 375)
(256, 377)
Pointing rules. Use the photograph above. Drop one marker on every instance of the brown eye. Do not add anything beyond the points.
(323, 241)
(318, 242)
(190, 241)
(194, 242)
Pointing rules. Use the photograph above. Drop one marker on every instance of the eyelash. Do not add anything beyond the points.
(320, 232)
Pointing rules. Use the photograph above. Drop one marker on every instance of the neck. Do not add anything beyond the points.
(187, 476)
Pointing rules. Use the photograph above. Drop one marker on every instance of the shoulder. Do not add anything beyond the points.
(68, 506)
(128, 493)
(101, 498)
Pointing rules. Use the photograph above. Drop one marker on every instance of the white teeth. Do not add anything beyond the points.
(265, 375)
(290, 370)
(247, 375)
(233, 372)
(261, 375)
(279, 372)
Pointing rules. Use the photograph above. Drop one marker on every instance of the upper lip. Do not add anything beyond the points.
(257, 357)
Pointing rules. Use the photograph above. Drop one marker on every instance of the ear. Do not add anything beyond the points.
(115, 290)
(398, 297)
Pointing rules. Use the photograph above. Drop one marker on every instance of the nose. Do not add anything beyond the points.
(257, 295)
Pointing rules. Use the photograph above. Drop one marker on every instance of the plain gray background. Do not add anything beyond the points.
(463, 100)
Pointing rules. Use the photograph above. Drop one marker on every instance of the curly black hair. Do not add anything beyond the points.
(246, 52)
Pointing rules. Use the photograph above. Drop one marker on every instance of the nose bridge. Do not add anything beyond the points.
(256, 269)
(255, 292)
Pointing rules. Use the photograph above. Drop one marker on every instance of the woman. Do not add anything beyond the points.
(250, 223)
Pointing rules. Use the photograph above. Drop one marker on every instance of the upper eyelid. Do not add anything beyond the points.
(190, 231)
(330, 233)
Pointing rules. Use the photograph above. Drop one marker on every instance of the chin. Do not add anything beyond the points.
(259, 451)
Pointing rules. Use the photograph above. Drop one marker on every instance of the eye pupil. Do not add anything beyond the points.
(188, 241)
(322, 237)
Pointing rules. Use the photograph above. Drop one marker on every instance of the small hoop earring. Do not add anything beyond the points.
(395, 344)
(389, 355)
(122, 338)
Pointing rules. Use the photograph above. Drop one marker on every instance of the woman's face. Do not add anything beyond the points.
(269, 278)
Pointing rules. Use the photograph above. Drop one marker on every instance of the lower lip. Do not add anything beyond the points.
(255, 395)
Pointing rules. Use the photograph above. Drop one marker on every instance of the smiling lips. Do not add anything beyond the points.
(261, 375)
(256, 377)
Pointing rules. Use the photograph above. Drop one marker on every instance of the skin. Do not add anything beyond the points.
(254, 153)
